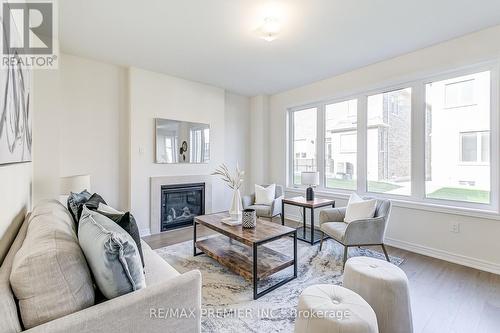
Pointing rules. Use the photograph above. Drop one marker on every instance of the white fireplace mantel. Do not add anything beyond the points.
(156, 184)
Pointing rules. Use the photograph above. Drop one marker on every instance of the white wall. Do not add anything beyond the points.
(15, 196)
(81, 127)
(154, 95)
(98, 118)
(95, 133)
(46, 134)
(237, 133)
(259, 142)
(421, 231)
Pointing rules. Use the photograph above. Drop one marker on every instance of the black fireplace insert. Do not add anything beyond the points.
(180, 204)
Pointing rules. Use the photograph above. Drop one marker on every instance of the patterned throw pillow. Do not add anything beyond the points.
(75, 200)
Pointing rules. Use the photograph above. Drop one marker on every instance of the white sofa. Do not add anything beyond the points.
(145, 310)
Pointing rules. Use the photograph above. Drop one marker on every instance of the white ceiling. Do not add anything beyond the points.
(212, 41)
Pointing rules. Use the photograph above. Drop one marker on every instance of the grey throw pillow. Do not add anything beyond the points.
(128, 223)
(75, 200)
(112, 255)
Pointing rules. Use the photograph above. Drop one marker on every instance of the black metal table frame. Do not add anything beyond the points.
(311, 241)
(256, 293)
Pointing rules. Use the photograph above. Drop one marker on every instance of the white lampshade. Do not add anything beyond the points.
(309, 178)
(74, 184)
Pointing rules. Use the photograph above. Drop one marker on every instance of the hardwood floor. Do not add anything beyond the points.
(445, 297)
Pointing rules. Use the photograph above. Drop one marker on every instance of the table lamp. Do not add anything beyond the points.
(310, 178)
(74, 184)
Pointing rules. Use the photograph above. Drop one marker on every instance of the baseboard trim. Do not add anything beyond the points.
(445, 255)
(145, 232)
(459, 259)
(295, 218)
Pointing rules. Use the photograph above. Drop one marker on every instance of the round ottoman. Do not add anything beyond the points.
(385, 287)
(330, 308)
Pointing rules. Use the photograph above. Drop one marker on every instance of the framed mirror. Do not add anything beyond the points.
(182, 141)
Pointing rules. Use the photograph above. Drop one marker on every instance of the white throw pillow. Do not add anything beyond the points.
(102, 208)
(359, 209)
(265, 195)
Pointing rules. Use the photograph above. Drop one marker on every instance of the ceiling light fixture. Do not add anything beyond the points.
(269, 29)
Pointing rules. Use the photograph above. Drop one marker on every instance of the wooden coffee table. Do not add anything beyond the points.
(247, 256)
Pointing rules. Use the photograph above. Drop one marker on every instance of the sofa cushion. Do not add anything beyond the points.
(50, 277)
(111, 253)
(51, 207)
(10, 319)
(261, 210)
(156, 270)
(335, 230)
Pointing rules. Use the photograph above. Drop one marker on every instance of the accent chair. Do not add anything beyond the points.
(366, 232)
(265, 211)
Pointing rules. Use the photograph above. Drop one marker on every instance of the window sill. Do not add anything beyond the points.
(416, 205)
(474, 164)
(459, 106)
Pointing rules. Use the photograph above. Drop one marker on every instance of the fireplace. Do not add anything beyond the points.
(180, 204)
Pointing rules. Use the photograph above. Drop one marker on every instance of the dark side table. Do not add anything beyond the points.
(306, 233)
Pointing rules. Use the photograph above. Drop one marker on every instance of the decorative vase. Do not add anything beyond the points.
(249, 218)
(236, 206)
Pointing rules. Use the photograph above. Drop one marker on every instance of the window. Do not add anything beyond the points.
(348, 143)
(468, 151)
(304, 123)
(206, 150)
(393, 101)
(475, 147)
(459, 94)
(199, 139)
(430, 141)
(462, 176)
(341, 145)
(485, 147)
(389, 142)
(170, 148)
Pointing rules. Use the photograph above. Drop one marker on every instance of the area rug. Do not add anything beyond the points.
(228, 304)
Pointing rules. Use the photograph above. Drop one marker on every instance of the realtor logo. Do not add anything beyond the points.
(28, 34)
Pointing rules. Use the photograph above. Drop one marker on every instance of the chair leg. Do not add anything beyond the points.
(321, 242)
(345, 257)
(385, 252)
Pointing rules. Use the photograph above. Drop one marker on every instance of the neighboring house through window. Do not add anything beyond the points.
(304, 142)
(459, 94)
(475, 147)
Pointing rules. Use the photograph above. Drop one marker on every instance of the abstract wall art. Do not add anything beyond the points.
(15, 114)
